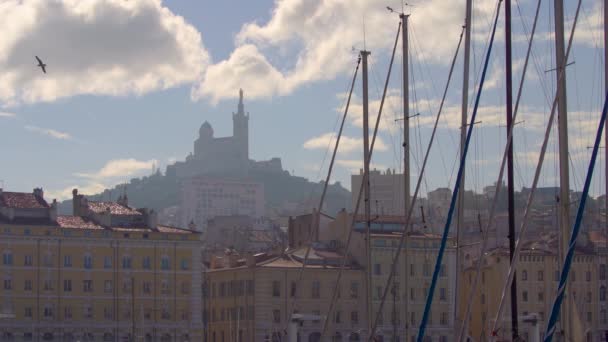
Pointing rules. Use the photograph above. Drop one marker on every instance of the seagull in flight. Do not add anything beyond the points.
(41, 65)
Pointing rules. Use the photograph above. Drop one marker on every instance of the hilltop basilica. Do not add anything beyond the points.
(223, 156)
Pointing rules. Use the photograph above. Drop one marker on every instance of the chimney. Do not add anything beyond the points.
(152, 219)
(53, 211)
(233, 258)
(76, 203)
(250, 260)
(123, 200)
(38, 192)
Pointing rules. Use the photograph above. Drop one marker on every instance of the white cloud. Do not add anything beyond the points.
(120, 168)
(99, 47)
(347, 144)
(312, 40)
(109, 175)
(7, 115)
(49, 132)
(90, 188)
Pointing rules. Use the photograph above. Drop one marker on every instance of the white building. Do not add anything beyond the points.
(386, 192)
(203, 198)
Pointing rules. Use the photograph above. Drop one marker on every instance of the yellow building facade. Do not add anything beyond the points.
(404, 305)
(252, 298)
(72, 278)
(537, 282)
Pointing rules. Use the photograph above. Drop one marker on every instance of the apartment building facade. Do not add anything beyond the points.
(252, 298)
(108, 273)
(537, 282)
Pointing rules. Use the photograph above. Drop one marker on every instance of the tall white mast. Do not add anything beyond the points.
(564, 174)
(368, 278)
(406, 154)
(463, 136)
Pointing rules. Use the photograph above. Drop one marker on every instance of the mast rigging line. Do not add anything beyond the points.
(444, 238)
(418, 184)
(524, 224)
(500, 178)
(575, 232)
(364, 179)
(316, 219)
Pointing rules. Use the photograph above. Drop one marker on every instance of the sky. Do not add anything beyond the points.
(129, 83)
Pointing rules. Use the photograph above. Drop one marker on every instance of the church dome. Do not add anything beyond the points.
(206, 130)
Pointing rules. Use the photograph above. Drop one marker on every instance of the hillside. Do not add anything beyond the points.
(159, 191)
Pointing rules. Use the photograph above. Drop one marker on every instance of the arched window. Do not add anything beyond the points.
(602, 293)
(524, 275)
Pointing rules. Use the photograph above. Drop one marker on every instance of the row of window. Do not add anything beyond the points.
(231, 314)
(540, 275)
(315, 290)
(234, 288)
(426, 270)
(87, 261)
(88, 312)
(394, 293)
(87, 286)
(87, 233)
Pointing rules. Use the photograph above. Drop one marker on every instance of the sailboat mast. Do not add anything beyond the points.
(564, 174)
(510, 184)
(606, 90)
(368, 278)
(406, 114)
(406, 150)
(463, 136)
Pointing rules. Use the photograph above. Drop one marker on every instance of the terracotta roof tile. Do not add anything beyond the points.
(115, 208)
(76, 222)
(22, 200)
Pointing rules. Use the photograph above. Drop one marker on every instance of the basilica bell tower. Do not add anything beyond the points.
(240, 128)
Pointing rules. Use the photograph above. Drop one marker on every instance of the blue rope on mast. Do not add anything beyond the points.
(575, 231)
(446, 229)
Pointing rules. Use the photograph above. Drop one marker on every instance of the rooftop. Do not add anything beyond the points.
(115, 208)
(76, 222)
(22, 200)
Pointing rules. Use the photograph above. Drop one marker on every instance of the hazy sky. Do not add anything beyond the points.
(130, 82)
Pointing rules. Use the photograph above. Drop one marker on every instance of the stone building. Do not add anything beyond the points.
(250, 298)
(537, 282)
(100, 275)
(404, 306)
(386, 192)
(203, 198)
(223, 156)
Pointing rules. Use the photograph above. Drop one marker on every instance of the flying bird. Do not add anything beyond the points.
(41, 65)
